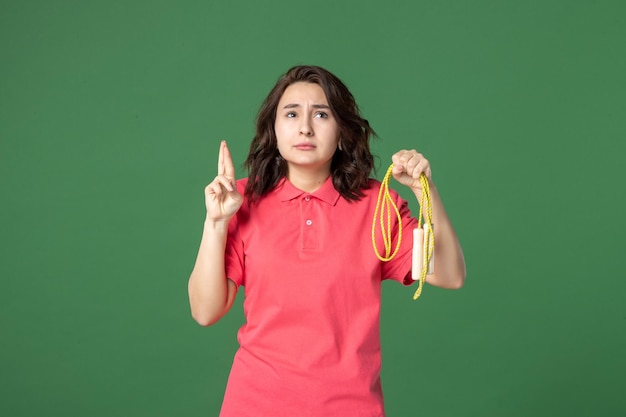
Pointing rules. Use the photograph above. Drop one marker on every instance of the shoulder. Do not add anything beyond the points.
(373, 188)
(369, 194)
(241, 185)
(373, 183)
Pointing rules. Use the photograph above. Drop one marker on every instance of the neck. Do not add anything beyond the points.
(306, 180)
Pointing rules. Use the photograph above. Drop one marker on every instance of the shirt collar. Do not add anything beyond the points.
(287, 191)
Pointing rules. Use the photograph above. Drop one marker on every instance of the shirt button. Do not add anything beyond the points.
(307, 198)
(309, 222)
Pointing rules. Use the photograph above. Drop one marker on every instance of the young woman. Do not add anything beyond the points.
(297, 235)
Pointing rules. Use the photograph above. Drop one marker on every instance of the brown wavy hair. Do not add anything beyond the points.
(350, 167)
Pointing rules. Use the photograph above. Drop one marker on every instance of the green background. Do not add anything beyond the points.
(111, 114)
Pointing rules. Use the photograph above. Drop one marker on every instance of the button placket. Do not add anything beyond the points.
(308, 233)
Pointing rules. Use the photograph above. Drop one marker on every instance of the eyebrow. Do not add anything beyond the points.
(315, 106)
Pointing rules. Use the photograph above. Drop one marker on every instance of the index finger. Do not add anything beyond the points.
(220, 159)
(227, 160)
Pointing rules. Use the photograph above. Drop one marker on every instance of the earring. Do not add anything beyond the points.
(339, 145)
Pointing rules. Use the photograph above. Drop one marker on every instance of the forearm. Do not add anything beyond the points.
(210, 293)
(449, 268)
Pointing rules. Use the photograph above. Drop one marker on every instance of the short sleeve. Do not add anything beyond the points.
(233, 256)
(399, 268)
(234, 253)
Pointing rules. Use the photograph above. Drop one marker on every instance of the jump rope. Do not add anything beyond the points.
(423, 236)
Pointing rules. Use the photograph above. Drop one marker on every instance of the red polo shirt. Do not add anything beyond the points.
(311, 342)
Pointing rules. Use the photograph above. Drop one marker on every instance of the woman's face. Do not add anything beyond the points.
(306, 130)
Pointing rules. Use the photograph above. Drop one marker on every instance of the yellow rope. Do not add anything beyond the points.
(384, 204)
(426, 211)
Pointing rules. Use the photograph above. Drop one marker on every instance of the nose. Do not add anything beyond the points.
(305, 127)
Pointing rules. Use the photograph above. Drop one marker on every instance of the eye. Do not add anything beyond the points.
(321, 114)
(291, 114)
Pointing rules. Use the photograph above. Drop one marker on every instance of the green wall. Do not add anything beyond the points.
(111, 113)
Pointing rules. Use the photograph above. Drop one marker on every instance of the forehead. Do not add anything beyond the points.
(303, 92)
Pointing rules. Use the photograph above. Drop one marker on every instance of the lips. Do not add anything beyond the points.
(304, 146)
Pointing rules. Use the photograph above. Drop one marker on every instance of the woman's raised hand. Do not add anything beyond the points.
(221, 196)
(408, 166)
